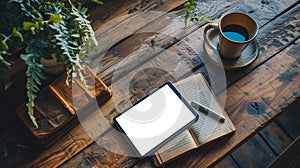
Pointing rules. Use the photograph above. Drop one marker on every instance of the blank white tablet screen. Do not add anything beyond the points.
(155, 119)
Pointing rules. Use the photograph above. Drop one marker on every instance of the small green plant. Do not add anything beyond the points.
(192, 14)
(44, 28)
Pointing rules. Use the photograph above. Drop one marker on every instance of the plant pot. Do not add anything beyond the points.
(52, 66)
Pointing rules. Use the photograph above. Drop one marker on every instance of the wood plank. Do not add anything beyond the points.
(135, 59)
(124, 81)
(145, 163)
(85, 153)
(112, 9)
(254, 153)
(15, 151)
(276, 137)
(46, 159)
(275, 34)
(16, 93)
(77, 139)
(102, 157)
(272, 38)
(266, 39)
(270, 9)
(100, 14)
(116, 110)
(20, 100)
(290, 157)
(265, 85)
(167, 30)
(289, 121)
(151, 78)
(182, 49)
(227, 162)
(121, 27)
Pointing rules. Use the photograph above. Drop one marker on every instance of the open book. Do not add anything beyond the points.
(206, 129)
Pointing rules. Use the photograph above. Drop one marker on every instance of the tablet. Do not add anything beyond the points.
(155, 119)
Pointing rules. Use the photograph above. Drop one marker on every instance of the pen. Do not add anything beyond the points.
(207, 111)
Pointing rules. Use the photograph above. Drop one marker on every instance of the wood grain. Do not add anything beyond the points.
(67, 94)
(227, 162)
(100, 14)
(168, 29)
(102, 156)
(274, 35)
(112, 9)
(58, 106)
(290, 157)
(265, 85)
(276, 137)
(185, 60)
(77, 139)
(77, 132)
(121, 27)
(128, 102)
(276, 134)
(111, 109)
(145, 163)
(81, 139)
(272, 38)
(286, 24)
(256, 153)
(289, 121)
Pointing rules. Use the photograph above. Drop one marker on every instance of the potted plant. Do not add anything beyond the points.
(44, 30)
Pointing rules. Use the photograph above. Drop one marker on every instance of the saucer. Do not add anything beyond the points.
(248, 56)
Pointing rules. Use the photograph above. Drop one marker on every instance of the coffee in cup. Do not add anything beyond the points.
(236, 31)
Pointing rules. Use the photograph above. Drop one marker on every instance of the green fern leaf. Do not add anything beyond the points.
(34, 75)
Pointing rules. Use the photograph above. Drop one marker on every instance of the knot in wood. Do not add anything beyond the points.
(256, 108)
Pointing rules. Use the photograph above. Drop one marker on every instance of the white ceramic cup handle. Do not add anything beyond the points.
(208, 27)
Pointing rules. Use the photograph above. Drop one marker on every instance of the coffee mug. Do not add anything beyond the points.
(236, 31)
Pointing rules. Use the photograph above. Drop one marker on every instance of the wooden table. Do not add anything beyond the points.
(272, 81)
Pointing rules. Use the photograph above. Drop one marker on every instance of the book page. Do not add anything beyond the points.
(207, 128)
(182, 143)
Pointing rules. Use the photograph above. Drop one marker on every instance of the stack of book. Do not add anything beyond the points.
(57, 106)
